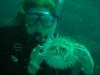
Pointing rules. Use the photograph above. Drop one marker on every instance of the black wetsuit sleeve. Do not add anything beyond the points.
(9, 49)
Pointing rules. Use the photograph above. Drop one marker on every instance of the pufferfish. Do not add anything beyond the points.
(63, 53)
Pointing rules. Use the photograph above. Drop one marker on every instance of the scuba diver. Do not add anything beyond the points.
(25, 42)
(34, 24)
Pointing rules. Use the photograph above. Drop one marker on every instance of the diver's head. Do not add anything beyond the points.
(40, 16)
(40, 20)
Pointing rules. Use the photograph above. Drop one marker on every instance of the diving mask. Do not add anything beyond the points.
(46, 19)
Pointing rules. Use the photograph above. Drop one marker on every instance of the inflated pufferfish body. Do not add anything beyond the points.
(63, 53)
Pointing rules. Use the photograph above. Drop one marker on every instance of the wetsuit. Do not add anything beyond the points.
(15, 49)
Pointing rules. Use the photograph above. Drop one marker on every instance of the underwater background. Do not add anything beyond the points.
(79, 19)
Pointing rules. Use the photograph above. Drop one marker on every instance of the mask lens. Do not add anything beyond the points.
(30, 19)
(46, 20)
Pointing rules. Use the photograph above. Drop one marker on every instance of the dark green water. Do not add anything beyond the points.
(80, 19)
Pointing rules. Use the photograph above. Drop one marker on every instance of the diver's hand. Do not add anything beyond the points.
(37, 54)
(39, 50)
(36, 59)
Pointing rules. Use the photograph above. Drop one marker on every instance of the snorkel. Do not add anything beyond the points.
(58, 5)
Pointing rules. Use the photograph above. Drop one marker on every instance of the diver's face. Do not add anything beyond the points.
(39, 20)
